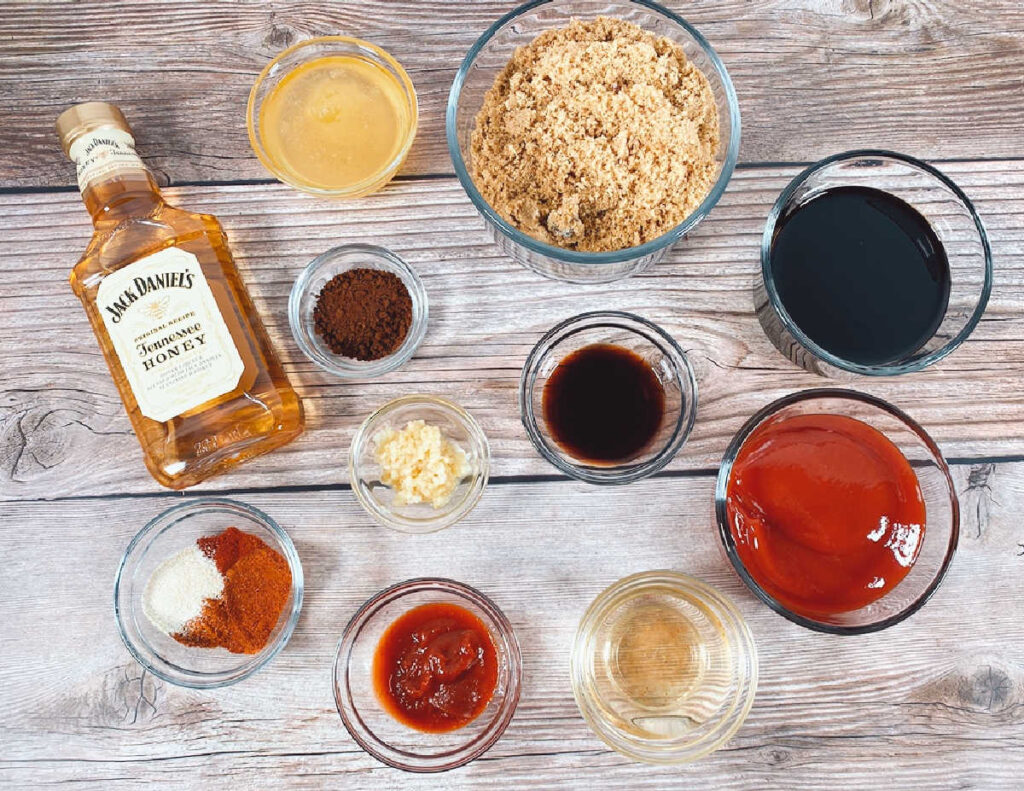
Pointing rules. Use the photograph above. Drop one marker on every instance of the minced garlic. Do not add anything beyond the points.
(419, 463)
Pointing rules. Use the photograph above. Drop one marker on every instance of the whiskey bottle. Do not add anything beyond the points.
(195, 368)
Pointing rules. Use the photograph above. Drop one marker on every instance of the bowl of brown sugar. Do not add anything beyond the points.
(358, 311)
(592, 135)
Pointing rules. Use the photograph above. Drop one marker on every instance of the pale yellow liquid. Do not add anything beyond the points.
(335, 122)
(660, 666)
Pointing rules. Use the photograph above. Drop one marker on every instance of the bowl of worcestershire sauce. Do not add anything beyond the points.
(607, 397)
(837, 510)
(872, 263)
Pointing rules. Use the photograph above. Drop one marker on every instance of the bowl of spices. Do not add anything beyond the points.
(208, 592)
(592, 135)
(837, 510)
(872, 263)
(358, 311)
(419, 464)
(607, 397)
(333, 116)
(664, 668)
(427, 675)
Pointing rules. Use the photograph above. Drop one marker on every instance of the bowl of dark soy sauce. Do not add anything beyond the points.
(608, 397)
(872, 263)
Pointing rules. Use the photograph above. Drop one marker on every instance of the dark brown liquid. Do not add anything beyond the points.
(603, 404)
(862, 273)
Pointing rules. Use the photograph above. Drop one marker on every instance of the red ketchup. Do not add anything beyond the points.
(435, 668)
(826, 513)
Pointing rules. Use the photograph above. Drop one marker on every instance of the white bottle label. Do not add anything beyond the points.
(102, 154)
(169, 335)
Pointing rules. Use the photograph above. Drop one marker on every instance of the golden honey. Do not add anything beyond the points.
(338, 123)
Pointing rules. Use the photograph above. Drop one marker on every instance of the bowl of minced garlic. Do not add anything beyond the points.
(610, 132)
(419, 464)
(208, 592)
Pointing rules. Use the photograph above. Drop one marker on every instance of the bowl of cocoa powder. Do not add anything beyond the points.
(358, 311)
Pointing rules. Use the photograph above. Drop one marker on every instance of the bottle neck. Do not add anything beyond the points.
(131, 193)
(115, 184)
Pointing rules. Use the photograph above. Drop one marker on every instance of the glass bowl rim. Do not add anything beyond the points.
(443, 520)
(361, 369)
(590, 473)
(632, 585)
(193, 679)
(612, 256)
(814, 348)
(507, 706)
(725, 534)
(360, 187)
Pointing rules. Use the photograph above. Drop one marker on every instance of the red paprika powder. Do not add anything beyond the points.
(257, 583)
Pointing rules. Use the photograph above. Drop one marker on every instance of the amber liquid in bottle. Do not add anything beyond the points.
(176, 364)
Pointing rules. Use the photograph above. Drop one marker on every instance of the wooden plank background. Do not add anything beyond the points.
(934, 703)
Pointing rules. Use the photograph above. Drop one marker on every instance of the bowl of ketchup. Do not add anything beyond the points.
(837, 510)
(427, 675)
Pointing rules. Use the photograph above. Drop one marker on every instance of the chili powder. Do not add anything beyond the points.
(363, 313)
(257, 583)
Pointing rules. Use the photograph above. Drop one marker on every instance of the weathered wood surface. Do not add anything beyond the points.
(939, 79)
(59, 409)
(936, 702)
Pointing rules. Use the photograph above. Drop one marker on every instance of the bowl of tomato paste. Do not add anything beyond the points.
(427, 675)
(837, 510)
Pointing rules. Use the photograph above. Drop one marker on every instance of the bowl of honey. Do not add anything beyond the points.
(333, 116)
(837, 510)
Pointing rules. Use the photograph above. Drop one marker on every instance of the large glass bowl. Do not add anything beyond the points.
(643, 338)
(486, 59)
(374, 728)
(942, 528)
(176, 529)
(953, 219)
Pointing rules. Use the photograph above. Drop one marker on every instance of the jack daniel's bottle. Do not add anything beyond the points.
(190, 357)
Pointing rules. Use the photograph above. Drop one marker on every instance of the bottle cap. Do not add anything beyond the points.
(76, 121)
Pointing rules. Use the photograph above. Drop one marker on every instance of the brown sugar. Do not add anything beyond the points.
(596, 137)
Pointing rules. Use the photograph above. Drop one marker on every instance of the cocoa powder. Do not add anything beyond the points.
(363, 313)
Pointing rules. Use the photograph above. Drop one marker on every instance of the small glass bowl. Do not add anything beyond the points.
(942, 508)
(457, 425)
(315, 276)
(946, 208)
(176, 529)
(664, 668)
(488, 57)
(645, 339)
(305, 52)
(378, 732)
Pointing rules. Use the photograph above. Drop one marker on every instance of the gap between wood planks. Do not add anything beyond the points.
(702, 472)
(43, 189)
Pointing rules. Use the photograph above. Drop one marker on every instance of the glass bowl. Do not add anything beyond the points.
(946, 208)
(664, 668)
(378, 732)
(941, 507)
(487, 58)
(305, 52)
(645, 339)
(377, 499)
(176, 529)
(315, 276)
